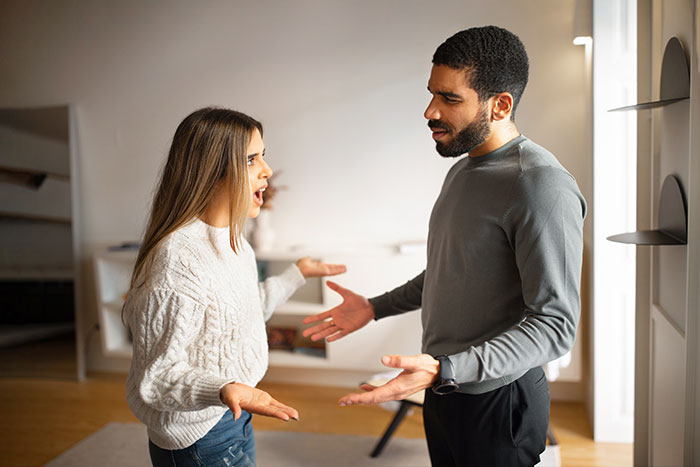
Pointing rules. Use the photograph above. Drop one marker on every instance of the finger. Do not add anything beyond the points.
(236, 408)
(337, 288)
(334, 269)
(315, 330)
(291, 411)
(329, 330)
(387, 392)
(316, 318)
(366, 398)
(338, 335)
(319, 327)
(367, 387)
(274, 412)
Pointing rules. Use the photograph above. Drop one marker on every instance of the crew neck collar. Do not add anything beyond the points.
(489, 156)
(198, 226)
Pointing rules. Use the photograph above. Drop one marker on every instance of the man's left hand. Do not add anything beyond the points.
(419, 372)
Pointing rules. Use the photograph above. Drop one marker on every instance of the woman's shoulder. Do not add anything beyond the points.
(177, 256)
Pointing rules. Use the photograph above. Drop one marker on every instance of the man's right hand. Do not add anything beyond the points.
(349, 316)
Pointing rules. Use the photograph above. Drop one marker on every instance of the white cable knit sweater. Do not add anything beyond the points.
(198, 323)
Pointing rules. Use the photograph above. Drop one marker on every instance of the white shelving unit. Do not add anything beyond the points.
(39, 221)
(369, 273)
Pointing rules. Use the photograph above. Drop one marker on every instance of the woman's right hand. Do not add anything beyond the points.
(355, 312)
(240, 397)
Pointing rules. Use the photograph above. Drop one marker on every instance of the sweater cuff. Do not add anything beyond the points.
(207, 390)
(293, 277)
(467, 367)
(382, 306)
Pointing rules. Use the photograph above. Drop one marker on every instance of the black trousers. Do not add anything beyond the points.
(503, 427)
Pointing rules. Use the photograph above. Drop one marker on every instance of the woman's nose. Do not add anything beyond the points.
(266, 170)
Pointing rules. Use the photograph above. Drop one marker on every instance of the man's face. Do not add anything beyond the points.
(459, 122)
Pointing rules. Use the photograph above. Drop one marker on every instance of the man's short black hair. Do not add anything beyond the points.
(494, 58)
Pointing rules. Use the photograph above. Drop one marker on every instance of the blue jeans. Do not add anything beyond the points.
(229, 443)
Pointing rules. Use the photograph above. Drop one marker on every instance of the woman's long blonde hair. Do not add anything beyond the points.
(209, 147)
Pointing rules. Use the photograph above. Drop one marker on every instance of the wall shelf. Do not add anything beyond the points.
(673, 220)
(35, 217)
(675, 78)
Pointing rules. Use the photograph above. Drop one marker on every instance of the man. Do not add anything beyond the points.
(500, 292)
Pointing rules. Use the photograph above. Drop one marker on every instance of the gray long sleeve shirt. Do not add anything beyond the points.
(500, 292)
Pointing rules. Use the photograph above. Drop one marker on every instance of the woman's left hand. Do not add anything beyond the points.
(311, 268)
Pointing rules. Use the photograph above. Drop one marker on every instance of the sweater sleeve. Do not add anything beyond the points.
(276, 290)
(544, 225)
(170, 322)
(404, 298)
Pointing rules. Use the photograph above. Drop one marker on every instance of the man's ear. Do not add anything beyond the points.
(502, 106)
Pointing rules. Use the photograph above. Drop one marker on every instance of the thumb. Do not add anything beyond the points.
(400, 361)
(236, 407)
(336, 288)
(392, 361)
(333, 269)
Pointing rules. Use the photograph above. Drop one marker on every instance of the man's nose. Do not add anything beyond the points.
(431, 112)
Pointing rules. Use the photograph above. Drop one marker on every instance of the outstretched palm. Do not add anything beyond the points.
(349, 316)
(419, 372)
(312, 268)
(240, 396)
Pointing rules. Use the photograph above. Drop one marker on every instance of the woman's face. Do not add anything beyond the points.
(258, 173)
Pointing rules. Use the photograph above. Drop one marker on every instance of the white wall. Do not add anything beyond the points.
(339, 86)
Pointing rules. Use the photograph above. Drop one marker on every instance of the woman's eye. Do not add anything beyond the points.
(251, 160)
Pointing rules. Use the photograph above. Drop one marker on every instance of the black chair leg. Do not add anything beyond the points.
(400, 415)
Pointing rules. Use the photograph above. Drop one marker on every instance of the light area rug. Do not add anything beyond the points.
(125, 445)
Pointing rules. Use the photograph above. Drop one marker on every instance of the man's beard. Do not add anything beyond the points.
(467, 139)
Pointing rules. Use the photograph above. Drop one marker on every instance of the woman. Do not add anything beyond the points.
(195, 307)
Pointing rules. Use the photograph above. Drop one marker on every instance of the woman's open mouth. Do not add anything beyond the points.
(258, 197)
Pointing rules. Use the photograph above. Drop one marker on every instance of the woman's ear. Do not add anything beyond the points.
(502, 106)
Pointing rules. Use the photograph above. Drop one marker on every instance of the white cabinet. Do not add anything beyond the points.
(112, 275)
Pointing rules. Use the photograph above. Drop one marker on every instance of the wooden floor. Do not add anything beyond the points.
(43, 416)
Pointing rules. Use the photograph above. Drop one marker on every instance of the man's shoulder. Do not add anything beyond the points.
(534, 156)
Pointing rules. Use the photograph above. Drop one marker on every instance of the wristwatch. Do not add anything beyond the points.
(446, 382)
